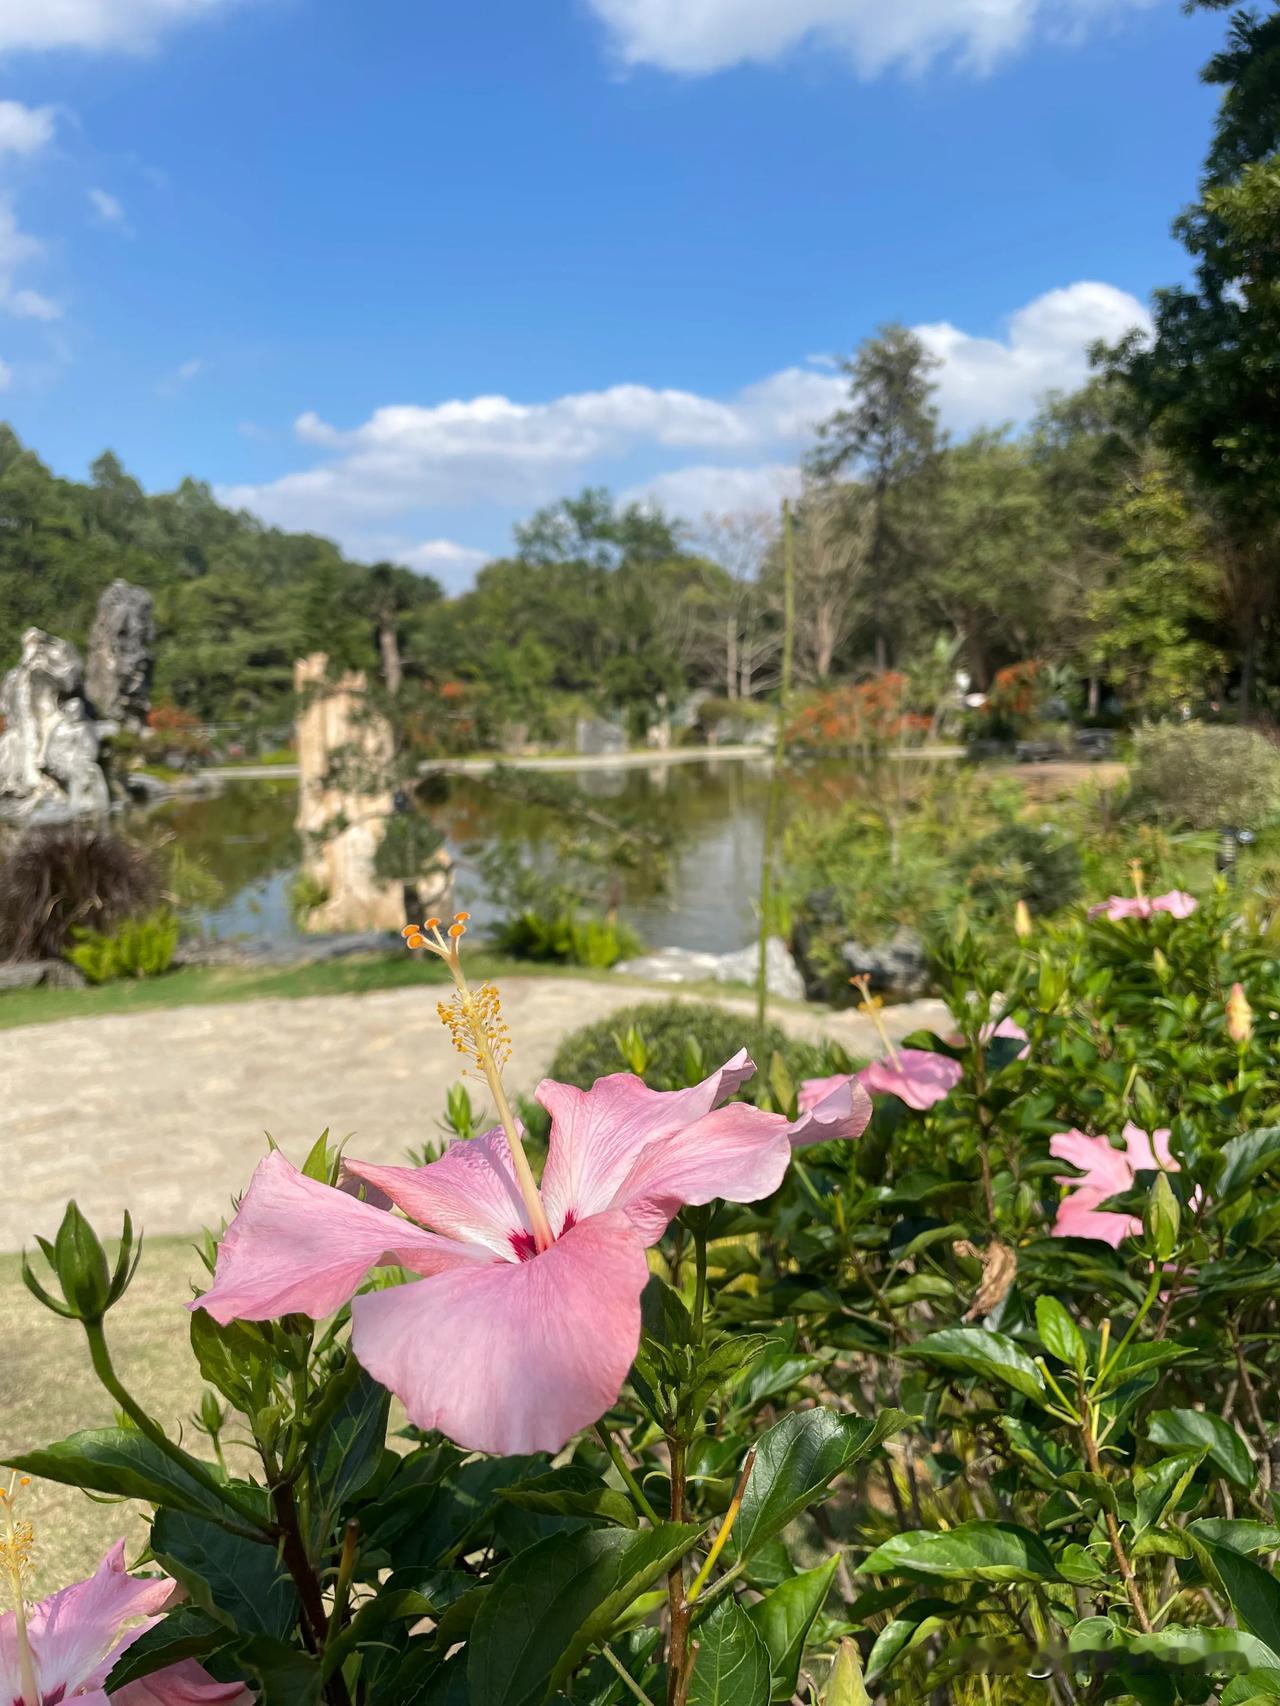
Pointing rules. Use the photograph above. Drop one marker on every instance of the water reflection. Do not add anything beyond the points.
(245, 838)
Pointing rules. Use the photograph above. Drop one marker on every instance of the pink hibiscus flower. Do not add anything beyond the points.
(511, 1342)
(915, 1076)
(64, 1647)
(1106, 1172)
(1006, 1028)
(1177, 903)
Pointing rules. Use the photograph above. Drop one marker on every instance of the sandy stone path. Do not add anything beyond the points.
(164, 1112)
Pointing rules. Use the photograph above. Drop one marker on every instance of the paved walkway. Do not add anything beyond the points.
(164, 1112)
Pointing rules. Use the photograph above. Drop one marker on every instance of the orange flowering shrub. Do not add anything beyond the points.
(869, 713)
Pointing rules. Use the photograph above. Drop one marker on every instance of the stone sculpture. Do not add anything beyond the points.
(49, 750)
(343, 822)
(122, 655)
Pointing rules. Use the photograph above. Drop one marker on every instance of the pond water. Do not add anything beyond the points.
(244, 837)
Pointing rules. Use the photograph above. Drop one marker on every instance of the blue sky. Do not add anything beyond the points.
(398, 271)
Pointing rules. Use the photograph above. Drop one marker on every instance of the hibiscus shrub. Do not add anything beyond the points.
(972, 1402)
(674, 1043)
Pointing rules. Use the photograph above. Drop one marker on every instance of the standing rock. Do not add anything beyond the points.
(49, 769)
(122, 645)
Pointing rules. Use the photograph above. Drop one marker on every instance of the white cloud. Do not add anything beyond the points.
(6, 375)
(31, 305)
(990, 380)
(447, 561)
(695, 37)
(189, 369)
(25, 130)
(708, 489)
(94, 24)
(107, 209)
(494, 451)
(19, 249)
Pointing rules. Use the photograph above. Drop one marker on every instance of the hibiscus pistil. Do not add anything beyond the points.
(871, 1005)
(16, 1540)
(473, 1017)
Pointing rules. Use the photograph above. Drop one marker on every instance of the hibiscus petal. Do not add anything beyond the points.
(1080, 1217)
(184, 1684)
(815, 1090)
(1105, 1168)
(512, 1357)
(74, 1632)
(1119, 906)
(297, 1245)
(597, 1134)
(737, 1152)
(1177, 903)
(843, 1111)
(470, 1193)
(919, 1078)
(1144, 1152)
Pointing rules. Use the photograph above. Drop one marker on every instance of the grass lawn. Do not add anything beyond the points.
(49, 1391)
(197, 985)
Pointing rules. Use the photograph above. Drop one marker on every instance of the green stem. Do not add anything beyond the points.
(1153, 1289)
(628, 1475)
(699, 1283)
(103, 1367)
(612, 1658)
(779, 766)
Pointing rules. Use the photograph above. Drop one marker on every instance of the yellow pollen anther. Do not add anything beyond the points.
(411, 930)
(461, 917)
(474, 1021)
(16, 1541)
(456, 930)
(432, 924)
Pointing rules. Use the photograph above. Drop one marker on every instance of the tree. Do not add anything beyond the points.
(1208, 383)
(832, 539)
(887, 437)
(740, 638)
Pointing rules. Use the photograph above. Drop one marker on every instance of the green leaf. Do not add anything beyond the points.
(349, 1447)
(991, 1356)
(1213, 1651)
(244, 1584)
(1189, 1428)
(572, 1492)
(124, 1463)
(1059, 1334)
(186, 1632)
(1243, 1158)
(784, 1618)
(913, 1624)
(732, 1666)
(366, 1627)
(1140, 1359)
(973, 1551)
(553, 1600)
(1253, 1685)
(1254, 1594)
(1238, 1533)
(795, 1461)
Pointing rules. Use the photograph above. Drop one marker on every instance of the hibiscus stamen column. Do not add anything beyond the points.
(474, 1019)
(871, 1005)
(15, 1556)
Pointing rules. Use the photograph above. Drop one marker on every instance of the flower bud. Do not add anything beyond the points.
(1022, 921)
(1160, 962)
(1162, 1219)
(1239, 1016)
(89, 1285)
